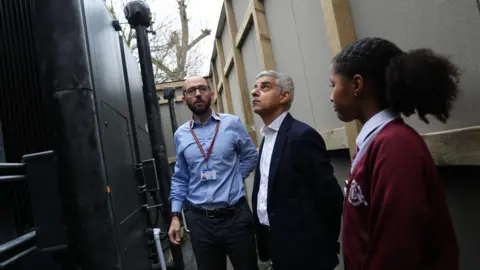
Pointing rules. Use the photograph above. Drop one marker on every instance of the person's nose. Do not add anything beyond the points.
(254, 92)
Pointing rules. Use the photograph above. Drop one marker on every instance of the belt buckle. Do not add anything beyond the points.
(207, 211)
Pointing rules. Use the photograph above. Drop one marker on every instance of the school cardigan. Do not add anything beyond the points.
(395, 213)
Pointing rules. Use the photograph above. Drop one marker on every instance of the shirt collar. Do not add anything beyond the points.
(214, 116)
(275, 125)
(373, 123)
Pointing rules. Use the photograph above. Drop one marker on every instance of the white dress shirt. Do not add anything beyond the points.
(270, 135)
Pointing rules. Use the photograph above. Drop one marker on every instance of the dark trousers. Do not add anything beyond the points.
(301, 258)
(213, 238)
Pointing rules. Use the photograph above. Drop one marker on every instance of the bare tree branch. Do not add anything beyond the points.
(174, 55)
(204, 34)
(159, 64)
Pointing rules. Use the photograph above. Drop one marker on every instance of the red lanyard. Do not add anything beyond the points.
(205, 155)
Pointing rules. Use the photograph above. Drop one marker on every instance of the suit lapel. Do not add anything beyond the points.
(278, 150)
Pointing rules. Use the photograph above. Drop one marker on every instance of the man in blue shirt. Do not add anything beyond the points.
(215, 155)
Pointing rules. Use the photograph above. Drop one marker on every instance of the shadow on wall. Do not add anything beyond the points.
(462, 187)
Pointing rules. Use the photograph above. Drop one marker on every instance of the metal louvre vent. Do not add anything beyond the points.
(22, 103)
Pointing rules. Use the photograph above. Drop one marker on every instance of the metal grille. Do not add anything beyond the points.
(22, 103)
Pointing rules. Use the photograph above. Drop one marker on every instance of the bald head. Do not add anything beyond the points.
(194, 80)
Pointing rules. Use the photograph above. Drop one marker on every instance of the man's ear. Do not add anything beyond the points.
(184, 99)
(285, 97)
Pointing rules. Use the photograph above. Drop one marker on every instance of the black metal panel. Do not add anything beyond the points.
(127, 204)
(138, 105)
(22, 113)
(64, 70)
(64, 58)
(2, 147)
(106, 57)
(118, 142)
(119, 163)
(22, 102)
(144, 144)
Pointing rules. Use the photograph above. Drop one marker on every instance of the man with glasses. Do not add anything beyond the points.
(215, 155)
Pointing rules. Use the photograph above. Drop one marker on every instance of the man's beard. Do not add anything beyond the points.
(199, 111)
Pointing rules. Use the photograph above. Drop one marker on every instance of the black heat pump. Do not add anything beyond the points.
(84, 177)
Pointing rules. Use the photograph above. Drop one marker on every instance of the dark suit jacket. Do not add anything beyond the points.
(304, 202)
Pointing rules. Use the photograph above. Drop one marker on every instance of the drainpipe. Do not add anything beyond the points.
(158, 244)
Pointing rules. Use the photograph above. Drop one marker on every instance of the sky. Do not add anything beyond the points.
(202, 14)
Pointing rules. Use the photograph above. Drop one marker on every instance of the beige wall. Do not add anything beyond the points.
(448, 27)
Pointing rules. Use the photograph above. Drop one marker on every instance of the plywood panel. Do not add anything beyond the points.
(288, 56)
(218, 68)
(224, 101)
(449, 27)
(251, 59)
(316, 57)
(226, 43)
(236, 95)
(239, 9)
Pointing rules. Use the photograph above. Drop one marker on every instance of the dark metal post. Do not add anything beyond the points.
(169, 94)
(138, 16)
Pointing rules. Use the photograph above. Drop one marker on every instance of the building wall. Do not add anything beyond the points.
(251, 59)
(298, 33)
(448, 27)
(301, 50)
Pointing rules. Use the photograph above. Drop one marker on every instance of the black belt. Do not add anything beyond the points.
(218, 212)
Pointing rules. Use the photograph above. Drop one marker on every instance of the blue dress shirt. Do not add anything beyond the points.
(233, 157)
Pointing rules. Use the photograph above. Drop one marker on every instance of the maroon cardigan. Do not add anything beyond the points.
(396, 215)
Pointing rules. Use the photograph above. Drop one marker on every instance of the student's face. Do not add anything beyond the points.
(197, 95)
(267, 96)
(345, 103)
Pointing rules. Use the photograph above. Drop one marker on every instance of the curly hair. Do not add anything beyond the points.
(407, 82)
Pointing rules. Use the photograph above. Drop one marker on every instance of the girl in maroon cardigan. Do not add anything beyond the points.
(396, 215)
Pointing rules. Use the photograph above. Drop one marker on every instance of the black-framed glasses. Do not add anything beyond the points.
(193, 90)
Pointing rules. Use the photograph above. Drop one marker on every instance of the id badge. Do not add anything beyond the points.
(208, 174)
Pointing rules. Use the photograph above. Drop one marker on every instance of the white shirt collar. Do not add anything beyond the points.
(373, 123)
(275, 125)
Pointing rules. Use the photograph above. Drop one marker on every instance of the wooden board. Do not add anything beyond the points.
(239, 67)
(340, 32)
(450, 147)
(263, 35)
(224, 80)
(455, 147)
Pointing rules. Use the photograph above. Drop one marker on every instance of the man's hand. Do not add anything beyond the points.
(174, 231)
